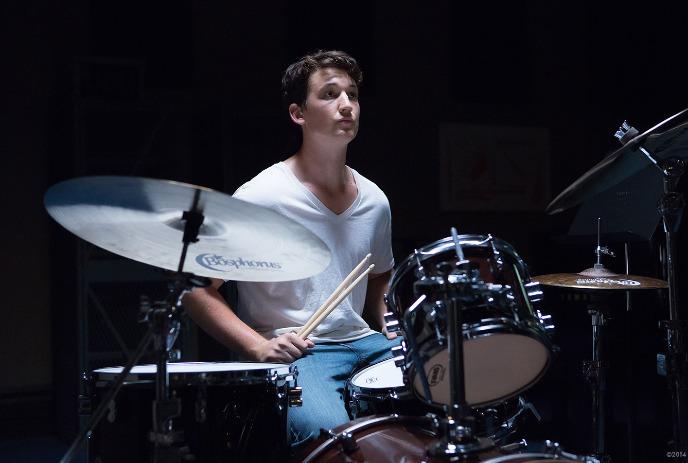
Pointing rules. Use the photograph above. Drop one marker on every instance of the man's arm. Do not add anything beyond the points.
(375, 307)
(209, 310)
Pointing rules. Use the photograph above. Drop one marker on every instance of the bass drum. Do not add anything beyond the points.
(405, 439)
(506, 344)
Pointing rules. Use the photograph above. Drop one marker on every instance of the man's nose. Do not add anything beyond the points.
(345, 105)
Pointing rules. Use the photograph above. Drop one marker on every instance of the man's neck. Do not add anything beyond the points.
(320, 164)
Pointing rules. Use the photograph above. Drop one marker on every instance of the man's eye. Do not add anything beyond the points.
(353, 95)
(330, 94)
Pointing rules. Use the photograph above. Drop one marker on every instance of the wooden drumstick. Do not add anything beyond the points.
(334, 294)
(304, 333)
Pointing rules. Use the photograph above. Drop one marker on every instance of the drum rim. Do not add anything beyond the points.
(364, 423)
(540, 455)
(446, 243)
(272, 372)
(443, 245)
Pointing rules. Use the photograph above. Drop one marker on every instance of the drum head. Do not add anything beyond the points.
(199, 372)
(497, 367)
(383, 375)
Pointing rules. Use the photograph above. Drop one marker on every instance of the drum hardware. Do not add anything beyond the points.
(145, 220)
(395, 438)
(161, 318)
(667, 152)
(506, 334)
(595, 372)
(455, 428)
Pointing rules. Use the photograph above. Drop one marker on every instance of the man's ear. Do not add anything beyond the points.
(296, 113)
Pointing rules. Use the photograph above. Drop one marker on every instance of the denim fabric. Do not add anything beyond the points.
(323, 373)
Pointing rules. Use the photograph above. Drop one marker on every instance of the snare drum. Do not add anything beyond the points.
(380, 390)
(230, 411)
(506, 344)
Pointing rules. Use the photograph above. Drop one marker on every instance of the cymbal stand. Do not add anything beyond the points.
(459, 286)
(160, 317)
(670, 207)
(595, 372)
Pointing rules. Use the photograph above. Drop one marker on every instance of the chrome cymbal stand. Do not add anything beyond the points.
(671, 207)
(459, 286)
(595, 372)
(167, 443)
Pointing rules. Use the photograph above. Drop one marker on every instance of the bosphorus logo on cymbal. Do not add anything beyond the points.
(223, 264)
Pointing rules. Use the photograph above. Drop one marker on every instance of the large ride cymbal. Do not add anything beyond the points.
(625, 162)
(591, 279)
(140, 218)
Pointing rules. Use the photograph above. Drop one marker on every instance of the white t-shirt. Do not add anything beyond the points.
(275, 308)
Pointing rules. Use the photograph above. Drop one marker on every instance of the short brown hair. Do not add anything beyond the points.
(295, 78)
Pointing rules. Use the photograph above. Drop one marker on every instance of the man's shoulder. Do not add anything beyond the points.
(262, 187)
(369, 188)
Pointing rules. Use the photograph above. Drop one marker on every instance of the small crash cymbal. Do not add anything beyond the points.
(591, 279)
(141, 219)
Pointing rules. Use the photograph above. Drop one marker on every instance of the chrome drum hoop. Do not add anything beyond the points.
(502, 329)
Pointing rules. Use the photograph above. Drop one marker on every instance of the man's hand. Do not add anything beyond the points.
(388, 334)
(284, 348)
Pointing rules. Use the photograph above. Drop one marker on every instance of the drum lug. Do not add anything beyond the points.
(399, 355)
(400, 362)
(514, 447)
(546, 321)
(346, 439)
(294, 396)
(391, 323)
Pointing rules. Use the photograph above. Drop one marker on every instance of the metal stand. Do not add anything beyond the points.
(595, 372)
(671, 206)
(168, 444)
(459, 287)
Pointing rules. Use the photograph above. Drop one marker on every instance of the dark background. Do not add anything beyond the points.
(189, 91)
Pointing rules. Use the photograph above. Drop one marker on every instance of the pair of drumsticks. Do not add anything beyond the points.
(336, 298)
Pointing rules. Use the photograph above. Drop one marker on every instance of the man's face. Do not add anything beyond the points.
(332, 107)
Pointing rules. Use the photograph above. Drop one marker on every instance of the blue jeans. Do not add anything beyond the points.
(323, 373)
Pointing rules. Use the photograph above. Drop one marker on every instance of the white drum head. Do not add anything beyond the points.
(383, 375)
(195, 372)
(497, 366)
(197, 367)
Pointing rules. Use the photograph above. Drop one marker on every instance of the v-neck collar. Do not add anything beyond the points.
(316, 201)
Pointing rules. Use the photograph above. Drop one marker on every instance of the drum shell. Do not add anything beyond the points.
(518, 314)
(227, 416)
(394, 439)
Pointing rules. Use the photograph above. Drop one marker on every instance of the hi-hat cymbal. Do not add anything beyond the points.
(590, 279)
(140, 218)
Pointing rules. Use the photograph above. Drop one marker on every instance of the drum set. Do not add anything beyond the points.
(474, 335)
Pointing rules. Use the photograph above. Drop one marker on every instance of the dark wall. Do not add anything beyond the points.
(190, 91)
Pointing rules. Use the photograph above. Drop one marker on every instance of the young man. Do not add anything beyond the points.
(351, 215)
